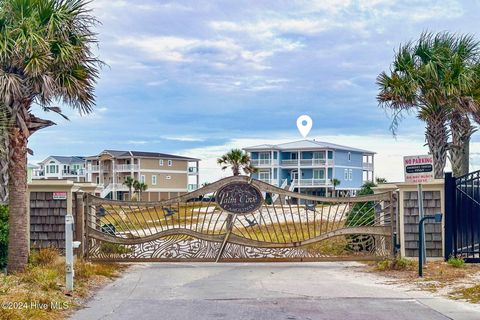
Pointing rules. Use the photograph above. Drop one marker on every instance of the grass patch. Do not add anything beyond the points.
(470, 294)
(114, 248)
(400, 264)
(126, 219)
(295, 232)
(38, 291)
(456, 262)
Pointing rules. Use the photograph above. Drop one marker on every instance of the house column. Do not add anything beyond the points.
(139, 164)
(373, 168)
(198, 175)
(132, 165)
(271, 167)
(100, 173)
(299, 171)
(114, 184)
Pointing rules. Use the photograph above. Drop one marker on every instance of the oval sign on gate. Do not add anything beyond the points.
(239, 197)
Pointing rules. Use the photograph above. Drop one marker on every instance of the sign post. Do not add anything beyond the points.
(419, 170)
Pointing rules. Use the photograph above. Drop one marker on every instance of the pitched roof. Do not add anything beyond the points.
(66, 159)
(305, 145)
(145, 154)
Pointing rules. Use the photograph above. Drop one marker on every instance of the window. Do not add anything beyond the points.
(264, 155)
(319, 174)
(330, 154)
(345, 174)
(161, 162)
(98, 180)
(264, 175)
(142, 179)
(154, 180)
(319, 155)
(170, 163)
(168, 177)
(350, 174)
(349, 156)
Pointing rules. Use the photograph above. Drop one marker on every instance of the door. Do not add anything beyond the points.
(294, 175)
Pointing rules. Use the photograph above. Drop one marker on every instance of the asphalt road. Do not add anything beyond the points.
(262, 291)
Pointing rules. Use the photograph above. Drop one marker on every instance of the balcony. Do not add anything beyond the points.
(263, 162)
(126, 167)
(311, 182)
(367, 166)
(289, 163)
(73, 173)
(192, 171)
(97, 168)
(307, 162)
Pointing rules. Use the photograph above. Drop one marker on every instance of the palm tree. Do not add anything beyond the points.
(45, 58)
(139, 188)
(435, 77)
(237, 160)
(335, 183)
(3, 156)
(129, 182)
(379, 180)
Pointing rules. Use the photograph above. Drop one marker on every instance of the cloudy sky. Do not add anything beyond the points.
(198, 77)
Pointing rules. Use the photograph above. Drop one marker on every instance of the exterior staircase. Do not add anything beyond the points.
(284, 185)
(109, 188)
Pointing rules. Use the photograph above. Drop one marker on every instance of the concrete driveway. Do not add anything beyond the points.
(263, 291)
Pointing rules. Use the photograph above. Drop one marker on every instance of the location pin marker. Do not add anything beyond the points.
(304, 125)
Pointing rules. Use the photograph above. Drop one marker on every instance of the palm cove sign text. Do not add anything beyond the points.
(239, 197)
(418, 169)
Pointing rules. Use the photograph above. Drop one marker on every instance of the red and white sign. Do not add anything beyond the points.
(59, 196)
(418, 169)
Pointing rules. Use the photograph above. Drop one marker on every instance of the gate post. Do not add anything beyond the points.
(80, 223)
(450, 224)
(86, 219)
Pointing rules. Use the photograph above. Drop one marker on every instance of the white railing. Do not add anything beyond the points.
(126, 167)
(289, 163)
(368, 166)
(311, 182)
(111, 187)
(276, 195)
(292, 186)
(71, 172)
(306, 162)
(316, 162)
(96, 168)
(263, 162)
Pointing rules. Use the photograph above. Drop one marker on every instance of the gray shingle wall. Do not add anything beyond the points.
(433, 231)
(47, 220)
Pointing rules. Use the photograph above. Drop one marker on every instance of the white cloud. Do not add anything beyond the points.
(183, 138)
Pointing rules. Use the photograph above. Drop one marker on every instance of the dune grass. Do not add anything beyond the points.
(38, 291)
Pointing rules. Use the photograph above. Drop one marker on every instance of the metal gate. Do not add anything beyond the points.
(462, 216)
(240, 219)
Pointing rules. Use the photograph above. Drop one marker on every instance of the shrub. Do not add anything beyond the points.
(395, 264)
(3, 236)
(456, 262)
(44, 257)
(114, 248)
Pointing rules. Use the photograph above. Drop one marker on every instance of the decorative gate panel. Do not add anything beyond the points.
(230, 220)
(462, 216)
